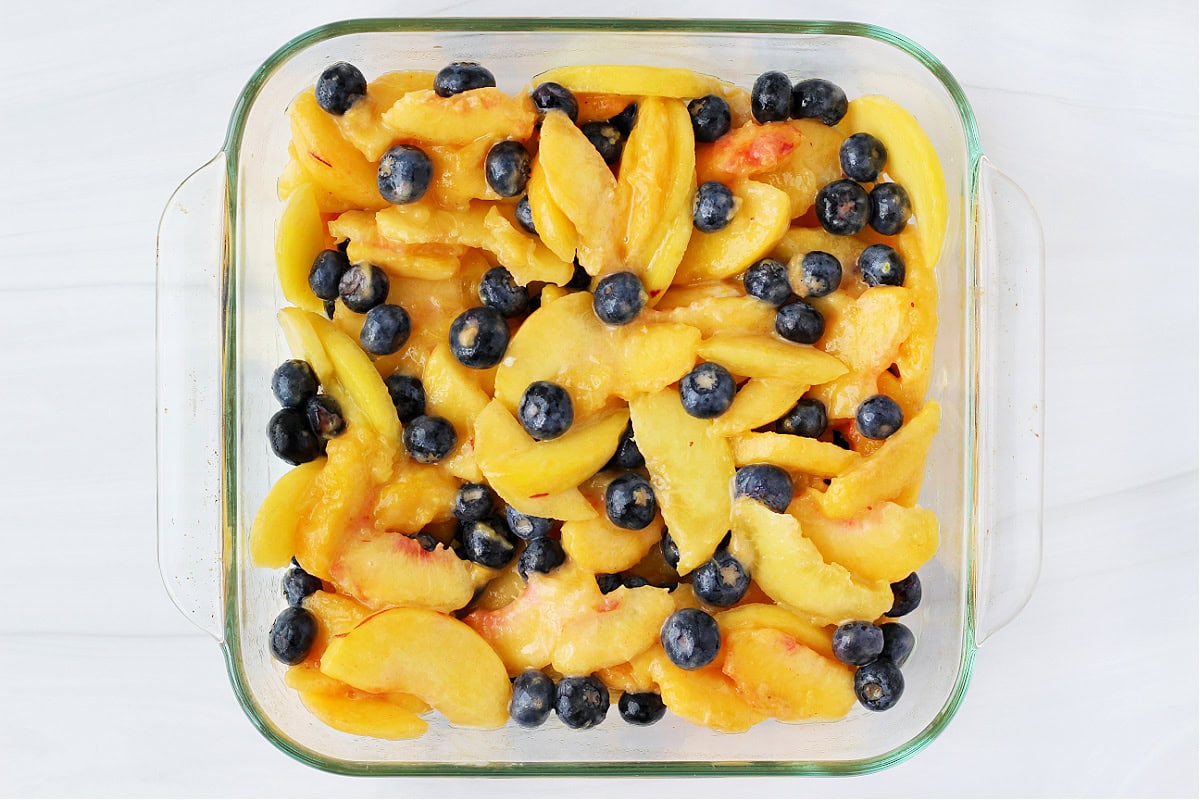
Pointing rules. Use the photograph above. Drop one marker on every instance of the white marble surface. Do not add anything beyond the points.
(105, 689)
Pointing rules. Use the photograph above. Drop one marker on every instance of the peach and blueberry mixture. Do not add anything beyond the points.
(610, 389)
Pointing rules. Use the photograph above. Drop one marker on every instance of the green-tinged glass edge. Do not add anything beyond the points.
(229, 644)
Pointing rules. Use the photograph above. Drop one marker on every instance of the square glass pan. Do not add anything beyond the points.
(218, 342)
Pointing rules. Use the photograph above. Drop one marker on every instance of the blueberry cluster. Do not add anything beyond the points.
(579, 701)
(879, 651)
(298, 431)
(295, 629)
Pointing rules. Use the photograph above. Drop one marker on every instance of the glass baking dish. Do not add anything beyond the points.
(218, 342)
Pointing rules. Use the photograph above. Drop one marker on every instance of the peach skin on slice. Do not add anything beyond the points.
(389, 569)
(364, 715)
(273, 532)
(780, 676)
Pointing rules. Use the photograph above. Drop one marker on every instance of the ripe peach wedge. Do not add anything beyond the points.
(390, 569)
(778, 675)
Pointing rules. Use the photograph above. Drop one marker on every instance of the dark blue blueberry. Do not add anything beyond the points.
(721, 581)
(707, 391)
(890, 208)
(527, 526)
(339, 87)
(771, 97)
(426, 540)
(487, 542)
(408, 395)
(820, 274)
(710, 117)
(627, 455)
(363, 287)
(343, 245)
(541, 555)
(878, 685)
(619, 298)
(629, 502)
(878, 417)
(479, 337)
(898, 642)
(474, 501)
(807, 418)
(843, 207)
(767, 279)
(691, 638)
(863, 157)
(714, 207)
(298, 584)
(524, 215)
(291, 438)
(857, 643)
(532, 698)
(641, 708)
(327, 270)
(405, 173)
(462, 76)
(330, 307)
(635, 582)
(507, 168)
(553, 96)
(325, 416)
(624, 121)
(428, 438)
(838, 438)
(606, 138)
(608, 583)
(581, 702)
(498, 290)
(906, 596)
(670, 550)
(545, 410)
(799, 322)
(766, 483)
(385, 329)
(293, 382)
(579, 278)
(292, 634)
(817, 98)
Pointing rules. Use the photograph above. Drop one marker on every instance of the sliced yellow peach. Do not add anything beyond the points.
(799, 241)
(456, 393)
(699, 293)
(601, 547)
(358, 377)
(294, 176)
(638, 81)
(556, 231)
(624, 678)
(794, 453)
(362, 124)
(298, 239)
(703, 696)
(419, 495)
(810, 165)
(667, 256)
(381, 570)
(720, 315)
(427, 261)
(462, 118)
(611, 629)
(335, 614)
(759, 356)
(458, 173)
(753, 616)
(273, 532)
(759, 401)
(364, 715)
(782, 677)
(336, 165)
(307, 677)
(760, 222)
(748, 150)
(304, 343)
(501, 590)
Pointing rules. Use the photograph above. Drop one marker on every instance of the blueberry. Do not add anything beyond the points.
(641, 708)
(766, 483)
(634, 582)
(606, 138)
(532, 698)
(527, 526)
(428, 438)
(324, 416)
(524, 215)
(624, 121)
(690, 638)
(462, 76)
(771, 97)
(863, 157)
(581, 702)
(408, 395)
(898, 642)
(906, 596)
(878, 685)
(608, 583)
(619, 298)
(857, 643)
(298, 584)
(291, 438)
(479, 337)
(881, 265)
(807, 418)
(820, 274)
(710, 117)
(474, 501)
(767, 279)
(363, 287)
(292, 634)
(878, 417)
(385, 329)
(799, 322)
(580, 279)
(707, 391)
(487, 542)
(838, 438)
(714, 207)
(629, 502)
(553, 96)
(498, 290)
(890, 208)
(339, 87)
(819, 99)
(670, 550)
(327, 270)
(426, 540)
(330, 308)
(507, 168)
(293, 382)
(541, 555)
(721, 581)
(405, 173)
(843, 207)
(627, 455)
(545, 410)
(343, 245)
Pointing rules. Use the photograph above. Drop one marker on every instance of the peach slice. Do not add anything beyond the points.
(760, 401)
(719, 315)
(362, 124)
(813, 163)
(754, 616)
(298, 239)
(601, 547)
(699, 293)
(420, 494)
(637, 81)
(799, 241)
(458, 174)
(748, 150)
(611, 629)
(389, 569)
(336, 614)
(768, 357)
(459, 120)
(433, 262)
(501, 590)
(364, 715)
(703, 696)
(457, 393)
(761, 221)
(794, 453)
(778, 675)
(273, 532)
(555, 230)
(333, 163)
(294, 176)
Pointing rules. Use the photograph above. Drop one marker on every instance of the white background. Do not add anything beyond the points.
(105, 689)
